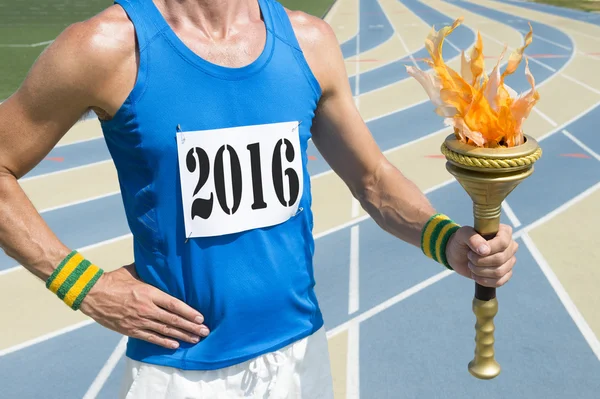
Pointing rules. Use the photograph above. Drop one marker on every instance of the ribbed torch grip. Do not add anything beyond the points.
(484, 365)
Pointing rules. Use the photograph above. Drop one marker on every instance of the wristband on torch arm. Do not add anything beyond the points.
(435, 235)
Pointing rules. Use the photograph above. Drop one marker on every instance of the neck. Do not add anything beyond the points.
(214, 18)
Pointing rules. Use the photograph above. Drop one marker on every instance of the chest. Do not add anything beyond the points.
(236, 49)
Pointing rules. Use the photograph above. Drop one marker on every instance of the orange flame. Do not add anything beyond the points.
(482, 109)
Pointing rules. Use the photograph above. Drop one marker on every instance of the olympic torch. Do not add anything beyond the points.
(488, 153)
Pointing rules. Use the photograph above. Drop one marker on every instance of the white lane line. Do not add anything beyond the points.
(357, 71)
(78, 141)
(341, 227)
(46, 337)
(573, 119)
(546, 40)
(404, 45)
(10, 270)
(353, 349)
(411, 56)
(550, 215)
(534, 60)
(511, 215)
(26, 45)
(353, 285)
(580, 83)
(545, 117)
(454, 46)
(87, 165)
(388, 303)
(566, 300)
(576, 50)
(106, 370)
(406, 49)
(82, 249)
(79, 202)
(597, 38)
(548, 67)
(381, 44)
(581, 144)
(353, 362)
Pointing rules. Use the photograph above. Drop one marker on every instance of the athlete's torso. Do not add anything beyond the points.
(212, 166)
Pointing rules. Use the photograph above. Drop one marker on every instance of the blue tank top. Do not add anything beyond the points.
(212, 167)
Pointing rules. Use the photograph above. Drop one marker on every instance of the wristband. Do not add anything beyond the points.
(435, 235)
(73, 279)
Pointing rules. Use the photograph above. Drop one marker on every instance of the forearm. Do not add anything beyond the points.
(395, 203)
(24, 235)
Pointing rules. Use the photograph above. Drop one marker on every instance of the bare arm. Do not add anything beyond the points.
(344, 140)
(393, 201)
(51, 100)
(92, 65)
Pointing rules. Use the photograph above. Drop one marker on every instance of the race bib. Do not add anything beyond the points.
(240, 178)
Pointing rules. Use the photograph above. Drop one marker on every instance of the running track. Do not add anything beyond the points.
(399, 326)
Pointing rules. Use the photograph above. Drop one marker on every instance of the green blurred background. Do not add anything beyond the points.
(26, 27)
(585, 5)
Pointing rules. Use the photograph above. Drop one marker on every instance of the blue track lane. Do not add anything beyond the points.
(84, 224)
(462, 37)
(76, 154)
(374, 29)
(589, 17)
(586, 129)
(420, 347)
(61, 368)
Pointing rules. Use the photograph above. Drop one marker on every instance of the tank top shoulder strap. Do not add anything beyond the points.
(282, 26)
(143, 14)
(283, 29)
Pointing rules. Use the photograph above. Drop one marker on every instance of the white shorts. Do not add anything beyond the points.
(301, 370)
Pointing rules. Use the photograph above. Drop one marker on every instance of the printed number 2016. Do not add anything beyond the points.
(197, 159)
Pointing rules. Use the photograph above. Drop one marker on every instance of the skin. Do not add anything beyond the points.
(92, 66)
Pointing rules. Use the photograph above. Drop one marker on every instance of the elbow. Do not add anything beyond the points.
(7, 174)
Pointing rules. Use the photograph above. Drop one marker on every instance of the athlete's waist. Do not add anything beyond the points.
(237, 265)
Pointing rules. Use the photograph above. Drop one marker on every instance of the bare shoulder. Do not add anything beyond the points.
(88, 66)
(320, 47)
(108, 33)
(89, 58)
(312, 31)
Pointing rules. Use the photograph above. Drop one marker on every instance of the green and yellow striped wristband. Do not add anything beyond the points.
(435, 235)
(73, 279)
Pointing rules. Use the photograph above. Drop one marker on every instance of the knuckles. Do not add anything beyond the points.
(171, 306)
(165, 329)
(499, 273)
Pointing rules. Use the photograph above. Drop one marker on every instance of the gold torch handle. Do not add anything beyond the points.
(487, 224)
(485, 304)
